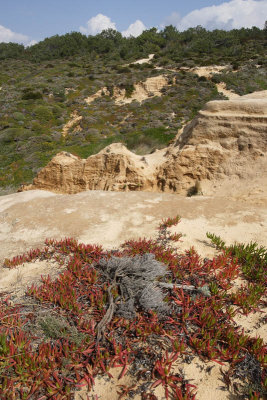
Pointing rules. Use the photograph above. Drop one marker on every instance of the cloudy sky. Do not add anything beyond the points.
(28, 21)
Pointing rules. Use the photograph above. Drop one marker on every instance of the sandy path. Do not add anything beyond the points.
(74, 122)
(109, 218)
(221, 87)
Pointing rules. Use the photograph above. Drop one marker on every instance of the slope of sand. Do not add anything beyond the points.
(235, 209)
(208, 71)
(74, 122)
(151, 87)
(144, 60)
(221, 87)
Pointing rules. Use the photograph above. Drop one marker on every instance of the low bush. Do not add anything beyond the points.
(13, 134)
(43, 113)
(29, 95)
(18, 116)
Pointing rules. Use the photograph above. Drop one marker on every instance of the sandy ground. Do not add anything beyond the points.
(74, 122)
(221, 87)
(144, 60)
(233, 209)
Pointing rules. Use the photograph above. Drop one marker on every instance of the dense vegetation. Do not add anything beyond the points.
(42, 85)
(193, 45)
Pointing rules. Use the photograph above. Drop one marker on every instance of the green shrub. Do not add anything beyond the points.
(29, 95)
(148, 140)
(195, 190)
(57, 110)
(10, 135)
(122, 69)
(43, 113)
(129, 90)
(251, 257)
(202, 79)
(235, 66)
(37, 127)
(18, 116)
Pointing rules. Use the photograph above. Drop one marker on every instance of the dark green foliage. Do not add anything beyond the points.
(43, 113)
(249, 371)
(172, 46)
(18, 116)
(13, 134)
(3, 344)
(148, 140)
(122, 69)
(30, 95)
(11, 50)
(129, 90)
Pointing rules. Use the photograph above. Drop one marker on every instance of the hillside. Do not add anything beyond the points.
(227, 138)
(79, 94)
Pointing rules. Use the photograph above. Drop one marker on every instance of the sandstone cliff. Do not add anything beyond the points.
(226, 138)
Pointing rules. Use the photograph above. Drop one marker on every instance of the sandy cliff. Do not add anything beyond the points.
(151, 87)
(227, 138)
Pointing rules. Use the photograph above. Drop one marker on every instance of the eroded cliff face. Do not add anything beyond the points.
(114, 168)
(226, 138)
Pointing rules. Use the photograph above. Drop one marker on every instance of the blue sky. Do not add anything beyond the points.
(24, 21)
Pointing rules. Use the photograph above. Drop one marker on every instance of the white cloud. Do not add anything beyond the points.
(6, 36)
(31, 43)
(98, 24)
(134, 29)
(172, 19)
(101, 22)
(229, 15)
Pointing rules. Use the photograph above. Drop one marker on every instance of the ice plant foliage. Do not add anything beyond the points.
(50, 344)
